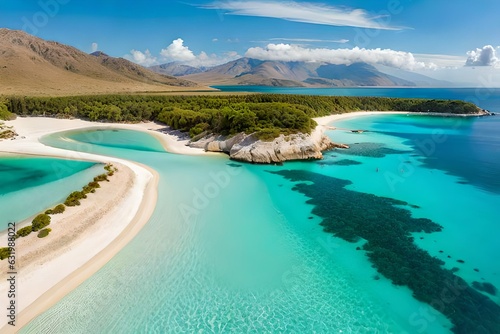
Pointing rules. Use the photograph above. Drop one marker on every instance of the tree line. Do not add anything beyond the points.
(264, 114)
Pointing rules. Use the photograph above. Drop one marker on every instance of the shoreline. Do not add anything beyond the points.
(137, 205)
(326, 120)
(60, 289)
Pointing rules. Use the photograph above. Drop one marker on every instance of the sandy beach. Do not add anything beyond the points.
(84, 238)
(326, 120)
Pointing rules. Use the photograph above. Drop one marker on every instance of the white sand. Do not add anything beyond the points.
(105, 222)
(325, 121)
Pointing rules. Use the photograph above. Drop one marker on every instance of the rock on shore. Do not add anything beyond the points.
(248, 148)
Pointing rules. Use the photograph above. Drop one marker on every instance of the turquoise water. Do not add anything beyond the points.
(32, 184)
(223, 252)
(236, 248)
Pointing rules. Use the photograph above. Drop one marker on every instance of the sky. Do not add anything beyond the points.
(454, 40)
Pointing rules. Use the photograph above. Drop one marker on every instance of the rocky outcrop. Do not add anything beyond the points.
(248, 148)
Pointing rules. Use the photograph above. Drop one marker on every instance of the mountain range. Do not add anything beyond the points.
(30, 65)
(248, 71)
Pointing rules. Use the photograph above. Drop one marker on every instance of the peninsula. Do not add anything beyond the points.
(254, 128)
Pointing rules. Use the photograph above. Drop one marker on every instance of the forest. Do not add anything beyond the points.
(266, 115)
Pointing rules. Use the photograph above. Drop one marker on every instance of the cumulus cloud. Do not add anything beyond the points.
(177, 52)
(304, 12)
(181, 53)
(487, 56)
(94, 47)
(287, 52)
(142, 58)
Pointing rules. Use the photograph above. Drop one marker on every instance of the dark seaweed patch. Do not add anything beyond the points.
(373, 150)
(485, 287)
(387, 228)
(234, 165)
(343, 162)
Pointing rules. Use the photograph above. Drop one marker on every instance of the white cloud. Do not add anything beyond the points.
(441, 61)
(304, 12)
(142, 58)
(287, 52)
(308, 40)
(180, 53)
(215, 40)
(487, 56)
(94, 47)
(177, 52)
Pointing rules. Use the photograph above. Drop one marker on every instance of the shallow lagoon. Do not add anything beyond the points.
(33, 184)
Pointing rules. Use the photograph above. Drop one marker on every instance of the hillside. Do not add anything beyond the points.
(30, 65)
(175, 69)
(248, 71)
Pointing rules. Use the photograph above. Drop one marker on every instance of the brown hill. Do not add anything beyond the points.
(33, 66)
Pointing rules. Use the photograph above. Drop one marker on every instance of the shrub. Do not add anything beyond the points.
(45, 232)
(100, 178)
(49, 212)
(95, 184)
(40, 222)
(24, 231)
(60, 208)
(4, 253)
(74, 198)
(5, 114)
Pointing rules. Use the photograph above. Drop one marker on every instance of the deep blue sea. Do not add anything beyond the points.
(399, 234)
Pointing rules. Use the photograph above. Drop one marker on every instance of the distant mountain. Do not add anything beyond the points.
(419, 79)
(136, 72)
(175, 69)
(30, 65)
(248, 71)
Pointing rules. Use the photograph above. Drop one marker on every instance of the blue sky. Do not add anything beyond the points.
(418, 35)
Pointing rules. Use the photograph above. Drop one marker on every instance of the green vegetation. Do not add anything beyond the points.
(110, 169)
(5, 114)
(100, 178)
(45, 232)
(74, 198)
(4, 253)
(265, 114)
(60, 208)
(40, 222)
(21, 233)
(57, 210)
